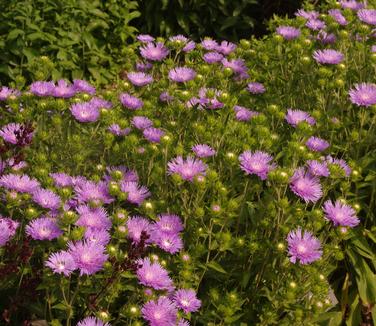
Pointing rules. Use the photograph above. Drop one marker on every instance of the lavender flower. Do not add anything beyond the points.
(153, 275)
(367, 16)
(8, 229)
(19, 183)
(12, 133)
(128, 175)
(351, 4)
(307, 14)
(136, 225)
(340, 214)
(341, 163)
(178, 38)
(136, 193)
(181, 74)
(99, 236)
(85, 112)
(189, 46)
(306, 186)
(294, 117)
(238, 66)
(315, 24)
(141, 122)
(226, 47)
(256, 88)
(92, 321)
(6, 92)
(326, 38)
(61, 179)
(168, 223)
(62, 89)
(154, 52)
(363, 94)
(143, 66)
(257, 162)
(243, 114)
(160, 313)
(337, 16)
(100, 103)
(209, 44)
(317, 144)
(165, 97)
(61, 263)
(328, 56)
(212, 57)
(317, 168)
(171, 243)
(96, 218)
(303, 247)
(43, 228)
(46, 199)
(188, 168)
(145, 38)
(89, 257)
(131, 102)
(288, 32)
(153, 134)
(89, 191)
(42, 88)
(82, 86)
(116, 130)
(203, 150)
(183, 322)
(139, 78)
(186, 300)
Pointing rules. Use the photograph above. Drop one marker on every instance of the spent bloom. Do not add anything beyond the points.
(161, 312)
(154, 52)
(85, 112)
(317, 144)
(139, 78)
(306, 186)
(288, 32)
(255, 88)
(328, 56)
(92, 321)
(303, 247)
(131, 102)
(203, 150)
(43, 228)
(188, 168)
(367, 16)
(116, 130)
(181, 74)
(363, 94)
(326, 38)
(340, 214)
(46, 199)
(61, 263)
(153, 275)
(186, 300)
(14, 133)
(294, 117)
(257, 162)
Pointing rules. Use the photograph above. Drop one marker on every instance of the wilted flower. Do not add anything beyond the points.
(116, 130)
(165, 97)
(46, 199)
(154, 52)
(203, 150)
(317, 144)
(256, 88)
(294, 117)
(181, 74)
(8, 229)
(139, 78)
(303, 247)
(326, 38)
(367, 16)
(306, 186)
(288, 32)
(85, 112)
(131, 102)
(43, 228)
(188, 168)
(61, 263)
(340, 214)
(153, 275)
(162, 312)
(186, 300)
(363, 94)
(328, 56)
(257, 162)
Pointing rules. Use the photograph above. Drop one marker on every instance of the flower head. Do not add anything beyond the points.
(46, 199)
(154, 52)
(43, 228)
(317, 168)
(6, 92)
(63, 89)
(243, 114)
(136, 193)
(145, 38)
(288, 32)
(162, 312)
(306, 186)
(141, 122)
(99, 236)
(303, 247)
(89, 191)
(257, 162)
(238, 66)
(212, 57)
(61, 179)
(203, 150)
(116, 130)
(328, 56)
(19, 183)
(85, 112)
(294, 117)
(92, 321)
(255, 88)
(307, 14)
(315, 24)
(16, 133)
(131, 102)
(209, 44)
(340, 214)
(153, 275)
(82, 86)
(181, 74)
(42, 88)
(226, 47)
(341, 163)
(95, 218)
(367, 16)
(351, 4)
(188, 168)
(61, 263)
(336, 14)
(139, 78)
(317, 144)
(153, 134)
(189, 46)
(186, 300)
(136, 225)
(168, 223)
(8, 229)
(363, 94)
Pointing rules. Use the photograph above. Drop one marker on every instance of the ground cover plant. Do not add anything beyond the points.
(212, 184)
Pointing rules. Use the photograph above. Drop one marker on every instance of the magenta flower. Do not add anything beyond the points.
(46, 199)
(336, 14)
(100, 103)
(226, 47)
(186, 300)
(363, 94)
(6, 92)
(61, 179)
(188, 168)
(61, 263)
(212, 57)
(315, 24)
(153, 134)
(203, 150)
(255, 88)
(42, 88)
(294, 117)
(131, 102)
(243, 114)
(19, 183)
(85, 112)
(238, 66)
(303, 247)
(89, 257)
(351, 4)
(168, 223)
(145, 38)
(288, 32)
(341, 163)
(15, 133)
(153, 275)
(160, 313)
(136, 225)
(317, 144)
(63, 89)
(96, 218)
(82, 86)
(181, 74)
(139, 78)
(136, 193)
(171, 243)
(306, 186)
(92, 321)
(189, 46)
(326, 38)
(154, 52)
(328, 56)
(89, 191)
(367, 16)
(209, 44)
(141, 122)
(317, 168)
(43, 228)
(257, 162)
(8, 229)
(99, 236)
(340, 214)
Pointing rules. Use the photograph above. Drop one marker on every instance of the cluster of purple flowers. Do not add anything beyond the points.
(62, 89)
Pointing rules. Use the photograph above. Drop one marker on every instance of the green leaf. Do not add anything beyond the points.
(15, 33)
(214, 265)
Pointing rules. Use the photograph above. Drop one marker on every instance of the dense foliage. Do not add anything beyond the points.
(215, 182)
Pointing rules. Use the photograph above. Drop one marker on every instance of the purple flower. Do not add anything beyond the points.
(303, 247)
(85, 112)
(13, 133)
(61, 179)
(341, 163)
(46, 199)
(257, 162)
(131, 102)
(367, 16)
(340, 214)
(203, 150)
(136, 225)
(188, 168)
(181, 74)
(186, 300)
(153, 275)
(351, 4)
(212, 57)
(178, 38)
(307, 14)
(238, 66)
(205, 102)
(315, 24)
(141, 122)
(337, 16)
(306, 186)
(82, 86)
(92, 321)
(62, 89)
(226, 47)
(326, 38)
(294, 117)
(172, 243)
(143, 66)
(160, 313)
(363, 94)
(153, 134)
(89, 191)
(89, 257)
(328, 56)
(189, 46)
(100, 103)
(19, 183)
(6, 92)
(128, 175)
(43, 228)
(61, 263)
(317, 144)
(100, 236)
(209, 44)
(183, 322)
(288, 32)
(168, 223)
(116, 130)
(8, 229)
(145, 38)
(136, 193)
(256, 88)
(165, 97)
(139, 78)
(42, 88)
(373, 49)
(317, 168)
(243, 114)
(95, 218)
(154, 52)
